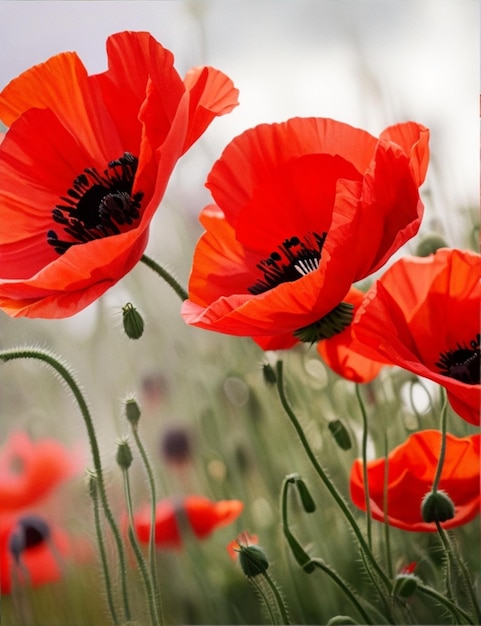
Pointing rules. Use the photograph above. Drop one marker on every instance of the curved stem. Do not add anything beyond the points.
(328, 484)
(153, 498)
(163, 273)
(442, 452)
(67, 377)
(367, 499)
(456, 611)
(279, 600)
(138, 553)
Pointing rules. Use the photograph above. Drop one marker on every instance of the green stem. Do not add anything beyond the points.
(138, 553)
(103, 553)
(65, 374)
(367, 499)
(387, 534)
(328, 484)
(163, 273)
(319, 563)
(442, 452)
(153, 499)
(456, 611)
(264, 597)
(279, 600)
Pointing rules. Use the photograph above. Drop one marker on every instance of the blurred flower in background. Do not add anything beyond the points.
(176, 519)
(33, 544)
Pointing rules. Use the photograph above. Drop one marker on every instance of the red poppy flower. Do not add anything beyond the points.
(244, 539)
(339, 352)
(423, 315)
(29, 471)
(32, 551)
(84, 166)
(305, 209)
(192, 514)
(412, 467)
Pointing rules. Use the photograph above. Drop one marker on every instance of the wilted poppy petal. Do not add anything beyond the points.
(423, 315)
(411, 470)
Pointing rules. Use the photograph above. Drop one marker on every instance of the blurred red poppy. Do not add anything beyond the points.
(31, 470)
(176, 518)
(84, 166)
(411, 470)
(304, 209)
(244, 539)
(339, 352)
(32, 552)
(423, 315)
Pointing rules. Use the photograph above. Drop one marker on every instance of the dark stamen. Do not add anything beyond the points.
(294, 258)
(30, 531)
(97, 205)
(462, 363)
(331, 324)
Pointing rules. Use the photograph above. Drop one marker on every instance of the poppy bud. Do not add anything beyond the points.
(269, 374)
(305, 495)
(133, 322)
(341, 619)
(437, 506)
(124, 455)
(30, 531)
(405, 585)
(430, 243)
(132, 412)
(253, 560)
(340, 434)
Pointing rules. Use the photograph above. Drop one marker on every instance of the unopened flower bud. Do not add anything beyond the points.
(307, 500)
(437, 506)
(253, 560)
(430, 243)
(341, 619)
(405, 585)
(269, 374)
(133, 322)
(124, 455)
(132, 412)
(340, 434)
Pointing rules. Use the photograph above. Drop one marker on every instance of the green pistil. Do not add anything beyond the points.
(331, 324)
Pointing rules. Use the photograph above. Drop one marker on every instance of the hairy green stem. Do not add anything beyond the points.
(153, 499)
(442, 451)
(373, 564)
(456, 611)
(163, 273)
(367, 500)
(279, 600)
(138, 553)
(103, 553)
(68, 378)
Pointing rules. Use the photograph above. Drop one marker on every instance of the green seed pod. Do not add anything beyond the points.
(437, 507)
(133, 322)
(269, 374)
(405, 586)
(340, 434)
(124, 455)
(305, 495)
(132, 411)
(253, 560)
(430, 243)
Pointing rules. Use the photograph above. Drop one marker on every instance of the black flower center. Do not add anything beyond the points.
(30, 531)
(295, 257)
(462, 363)
(97, 205)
